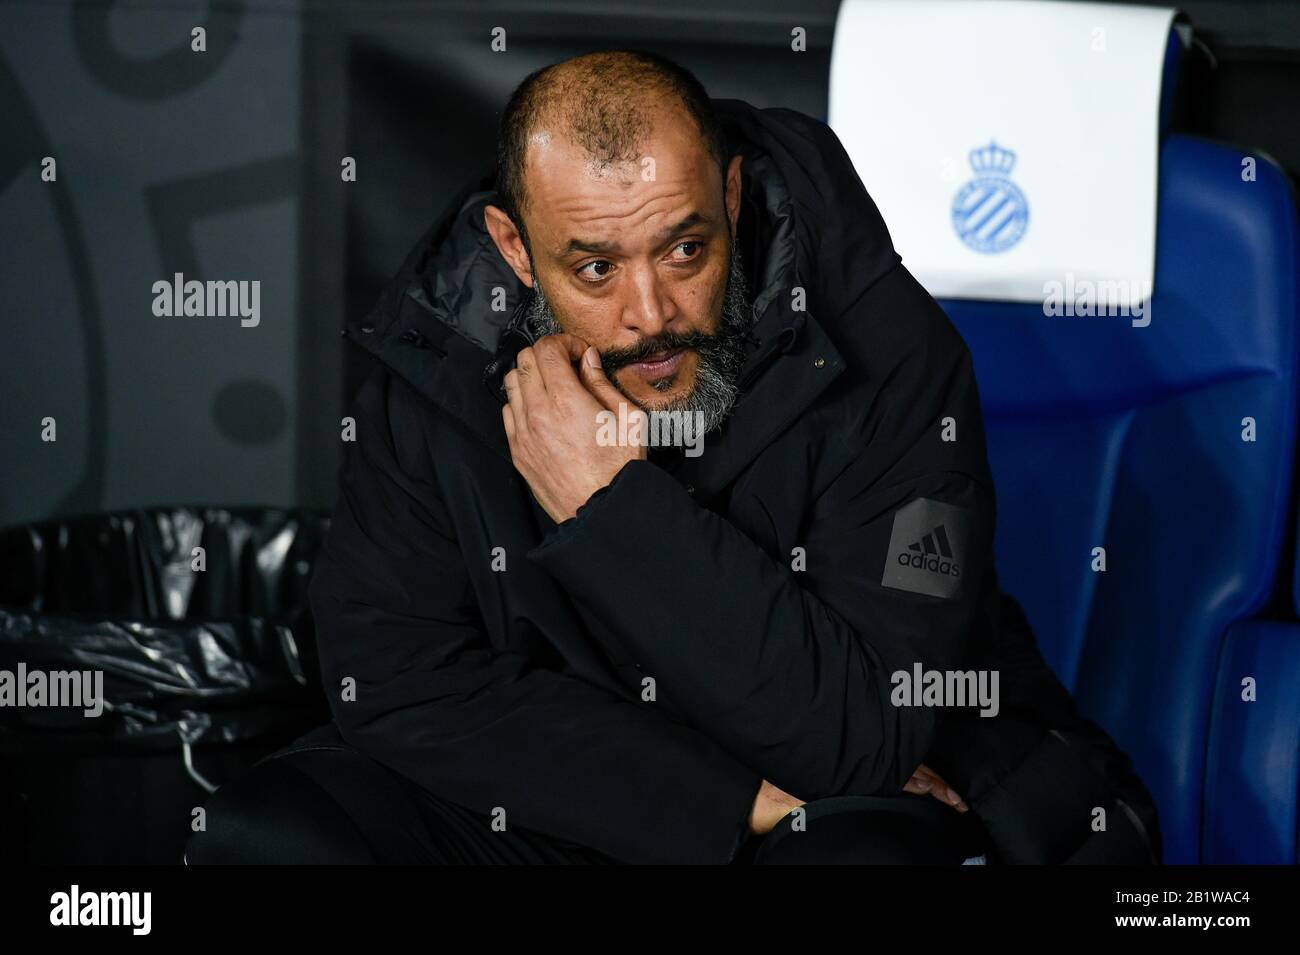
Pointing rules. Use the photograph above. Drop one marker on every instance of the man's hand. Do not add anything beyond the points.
(771, 805)
(926, 780)
(551, 424)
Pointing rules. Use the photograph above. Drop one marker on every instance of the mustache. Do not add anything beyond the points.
(616, 358)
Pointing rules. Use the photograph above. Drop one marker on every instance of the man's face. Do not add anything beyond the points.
(637, 260)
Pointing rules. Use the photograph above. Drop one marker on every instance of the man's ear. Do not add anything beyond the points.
(509, 243)
(732, 193)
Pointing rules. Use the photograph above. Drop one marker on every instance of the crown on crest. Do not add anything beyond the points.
(992, 160)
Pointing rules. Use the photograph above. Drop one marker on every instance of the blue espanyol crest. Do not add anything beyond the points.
(990, 212)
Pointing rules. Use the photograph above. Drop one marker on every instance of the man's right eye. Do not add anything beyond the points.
(595, 271)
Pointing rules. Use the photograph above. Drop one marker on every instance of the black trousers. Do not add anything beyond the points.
(322, 802)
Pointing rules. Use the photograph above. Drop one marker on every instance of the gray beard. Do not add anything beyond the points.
(721, 354)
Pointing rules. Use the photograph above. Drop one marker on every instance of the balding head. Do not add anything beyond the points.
(607, 105)
(614, 164)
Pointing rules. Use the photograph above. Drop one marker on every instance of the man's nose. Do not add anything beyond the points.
(649, 309)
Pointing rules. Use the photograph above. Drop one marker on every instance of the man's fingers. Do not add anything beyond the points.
(593, 376)
(926, 780)
(555, 355)
(918, 784)
(531, 389)
(947, 795)
(513, 394)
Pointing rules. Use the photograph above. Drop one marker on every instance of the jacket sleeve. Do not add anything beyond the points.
(414, 682)
(792, 670)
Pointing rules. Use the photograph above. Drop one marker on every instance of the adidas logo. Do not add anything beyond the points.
(933, 552)
(923, 545)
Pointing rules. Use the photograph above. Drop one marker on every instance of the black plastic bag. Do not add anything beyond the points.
(194, 624)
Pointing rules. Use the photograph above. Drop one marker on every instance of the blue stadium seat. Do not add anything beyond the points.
(1253, 765)
(1102, 434)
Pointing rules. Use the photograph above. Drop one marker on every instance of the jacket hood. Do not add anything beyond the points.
(806, 226)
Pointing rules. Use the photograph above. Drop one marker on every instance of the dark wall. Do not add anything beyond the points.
(167, 161)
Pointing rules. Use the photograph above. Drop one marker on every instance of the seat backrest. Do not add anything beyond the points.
(1169, 445)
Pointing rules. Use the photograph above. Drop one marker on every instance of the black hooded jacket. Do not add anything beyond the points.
(626, 679)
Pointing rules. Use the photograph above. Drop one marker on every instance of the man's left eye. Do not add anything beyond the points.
(692, 249)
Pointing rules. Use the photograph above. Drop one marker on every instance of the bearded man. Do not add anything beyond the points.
(541, 646)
